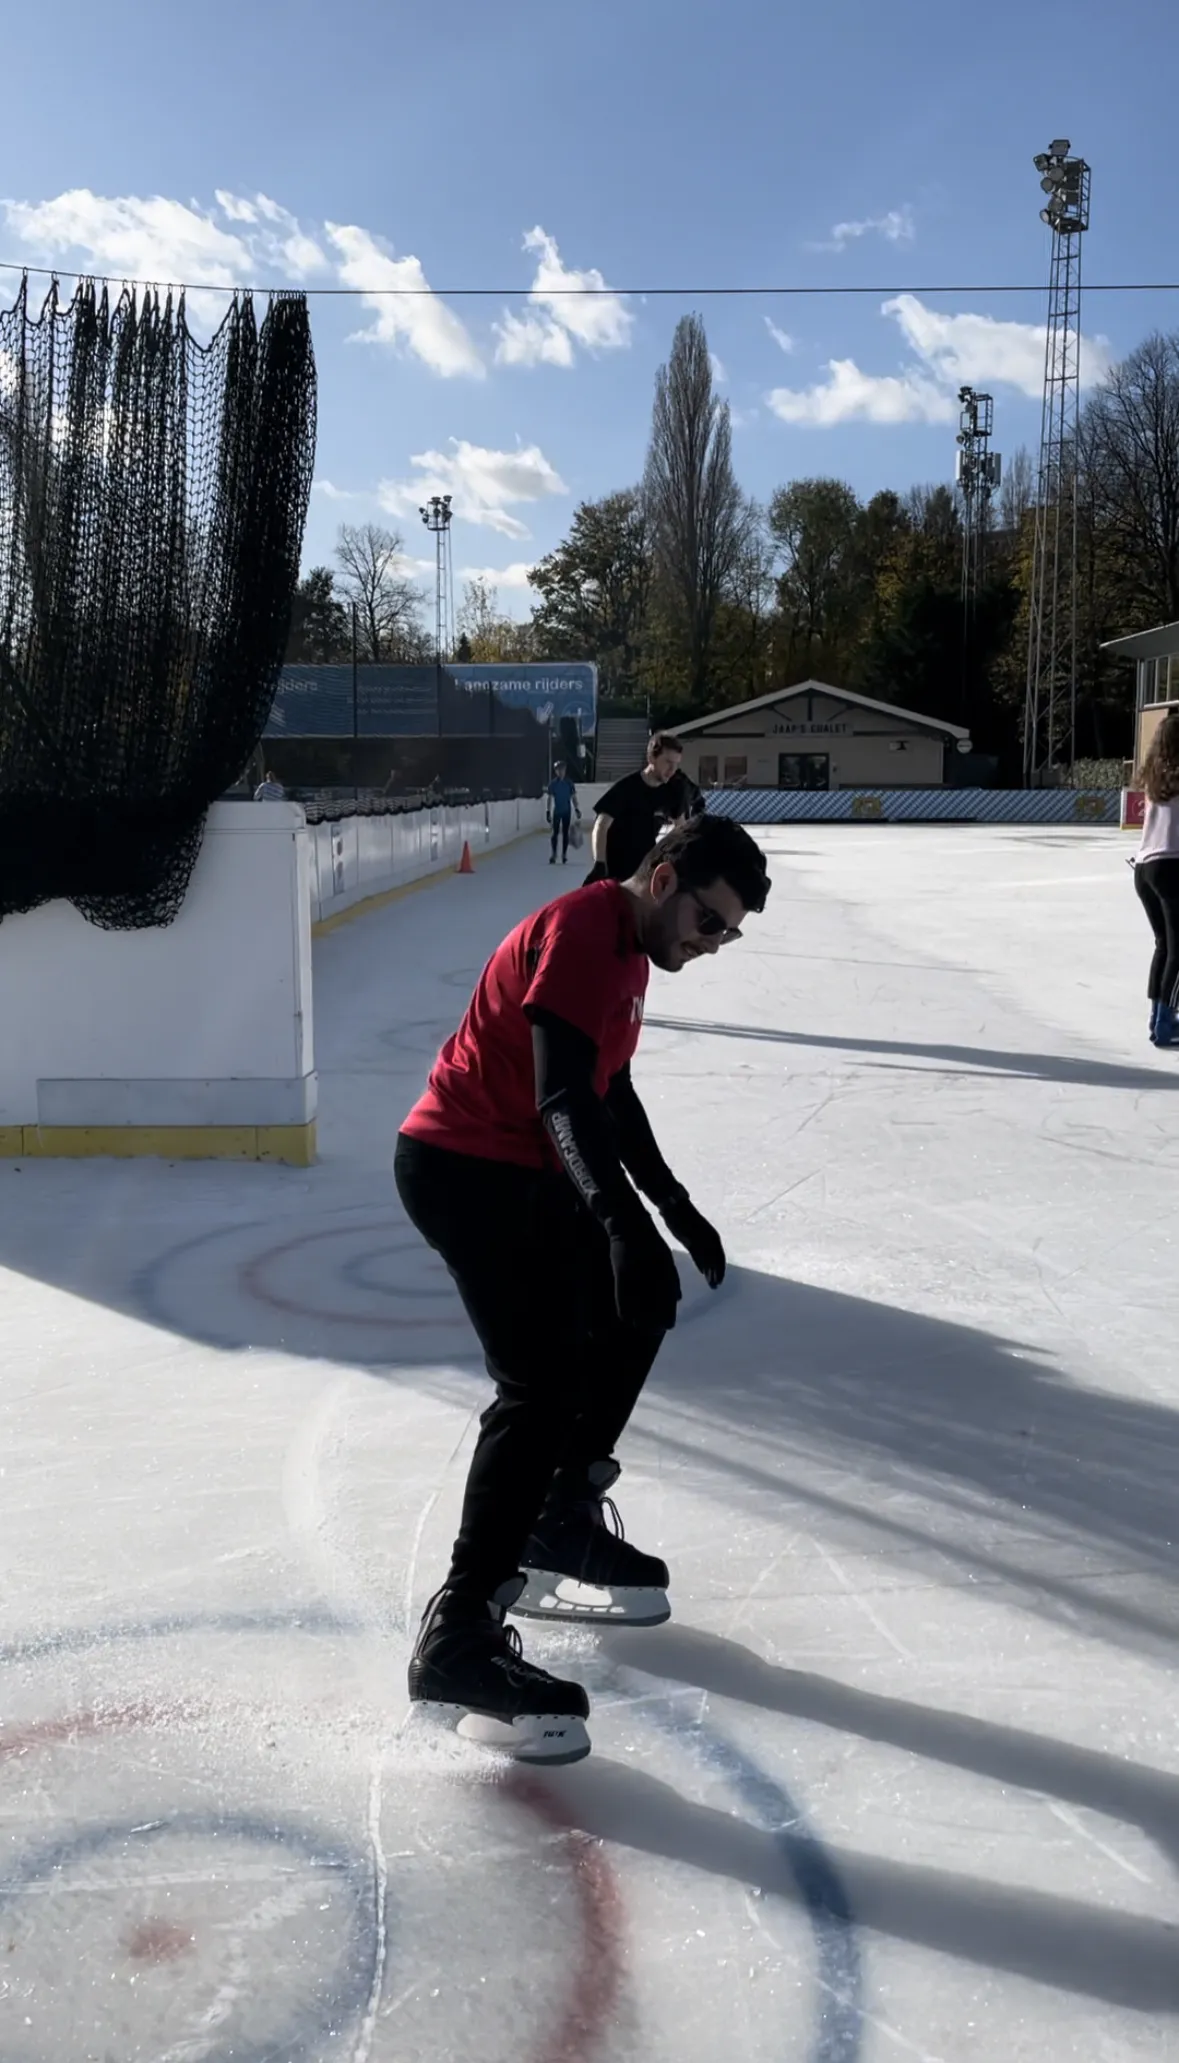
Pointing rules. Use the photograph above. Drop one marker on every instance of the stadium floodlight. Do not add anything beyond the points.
(1051, 700)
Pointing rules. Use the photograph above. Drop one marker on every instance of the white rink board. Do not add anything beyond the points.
(901, 1780)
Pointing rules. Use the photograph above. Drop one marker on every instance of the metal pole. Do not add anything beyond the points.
(355, 708)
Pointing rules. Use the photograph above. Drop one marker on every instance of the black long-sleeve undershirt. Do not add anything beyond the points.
(599, 1140)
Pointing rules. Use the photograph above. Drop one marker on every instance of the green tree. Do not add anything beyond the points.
(815, 526)
(595, 592)
(321, 633)
(695, 509)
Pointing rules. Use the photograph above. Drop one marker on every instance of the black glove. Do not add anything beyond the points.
(596, 873)
(702, 1241)
(646, 1279)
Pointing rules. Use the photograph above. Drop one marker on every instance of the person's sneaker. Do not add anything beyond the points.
(1166, 1027)
(467, 1663)
(579, 1563)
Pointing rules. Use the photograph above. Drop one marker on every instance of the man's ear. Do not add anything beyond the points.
(663, 882)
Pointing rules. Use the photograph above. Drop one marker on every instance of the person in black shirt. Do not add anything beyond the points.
(631, 814)
(684, 800)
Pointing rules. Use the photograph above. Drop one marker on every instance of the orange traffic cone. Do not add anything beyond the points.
(466, 865)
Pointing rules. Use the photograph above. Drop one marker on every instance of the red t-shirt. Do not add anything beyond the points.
(578, 958)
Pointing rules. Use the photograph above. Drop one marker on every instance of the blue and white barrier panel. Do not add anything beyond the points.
(917, 805)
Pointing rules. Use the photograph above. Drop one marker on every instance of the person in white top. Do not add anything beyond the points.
(1156, 876)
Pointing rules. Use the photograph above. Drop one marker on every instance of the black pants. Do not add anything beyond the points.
(561, 826)
(532, 1267)
(1157, 882)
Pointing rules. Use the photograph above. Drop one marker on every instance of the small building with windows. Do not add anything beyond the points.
(815, 736)
(1156, 662)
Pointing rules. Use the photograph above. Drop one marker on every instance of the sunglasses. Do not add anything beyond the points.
(709, 922)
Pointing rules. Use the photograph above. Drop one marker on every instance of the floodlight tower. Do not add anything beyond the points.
(979, 471)
(1050, 710)
(436, 516)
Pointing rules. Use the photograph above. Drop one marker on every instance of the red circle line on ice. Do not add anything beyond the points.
(252, 1276)
(596, 1977)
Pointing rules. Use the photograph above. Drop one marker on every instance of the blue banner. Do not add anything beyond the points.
(402, 701)
(549, 689)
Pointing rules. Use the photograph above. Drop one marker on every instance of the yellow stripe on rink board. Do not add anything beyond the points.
(384, 896)
(292, 1145)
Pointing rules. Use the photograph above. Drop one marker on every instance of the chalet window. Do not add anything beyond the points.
(708, 775)
(735, 770)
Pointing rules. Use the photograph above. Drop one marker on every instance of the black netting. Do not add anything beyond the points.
(153, 492)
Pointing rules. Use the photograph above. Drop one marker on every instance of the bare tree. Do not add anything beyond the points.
(696, 510)
(1018, 491)
(1130, 449)
(490, 638)
(388, 605)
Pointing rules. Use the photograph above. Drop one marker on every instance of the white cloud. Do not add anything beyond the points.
(947, 352)
(594, 318)
(848, 395)
(718, 370)
(168, 242)
(484, 484)
(129, 238)
(515, 577)
(405, 311)
(781, 338)
(532, 340)
(896, 227)
(332, 493)
(978, 350)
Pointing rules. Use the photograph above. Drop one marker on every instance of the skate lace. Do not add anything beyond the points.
(513, 1664)
(612, 1518)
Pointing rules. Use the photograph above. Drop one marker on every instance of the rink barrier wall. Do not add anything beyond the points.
(191, 1040)
(917, 805)
(361, 862)
(195, 1041)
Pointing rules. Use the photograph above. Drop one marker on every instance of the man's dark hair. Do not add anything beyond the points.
(709, 849)
(662, 742)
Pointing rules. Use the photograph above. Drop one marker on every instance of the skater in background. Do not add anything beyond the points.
(1156, 876)
(631, 814)
(562, 802)
(269, 789)
(684, 800)
(522, 1166)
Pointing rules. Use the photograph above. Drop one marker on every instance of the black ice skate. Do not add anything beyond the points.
(469, 1664)
(579, 1564)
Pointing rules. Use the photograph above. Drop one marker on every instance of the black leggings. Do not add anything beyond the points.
(532, 1267)
(1157, 882)
(561, 825)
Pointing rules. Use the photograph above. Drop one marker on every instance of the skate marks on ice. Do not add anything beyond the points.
(144, 1911)
(208, 1858)
(356, 1286)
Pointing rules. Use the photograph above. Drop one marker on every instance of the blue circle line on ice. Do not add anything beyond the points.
(839, 2034)
(345, 1998)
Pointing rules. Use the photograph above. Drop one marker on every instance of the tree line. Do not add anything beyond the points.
(690, 595)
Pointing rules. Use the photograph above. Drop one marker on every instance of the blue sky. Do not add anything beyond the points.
(635, 141)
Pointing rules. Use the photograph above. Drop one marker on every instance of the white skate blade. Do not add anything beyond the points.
(548, 1596)
(550, 1738)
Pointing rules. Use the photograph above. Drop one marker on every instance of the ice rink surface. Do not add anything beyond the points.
(901, 1779)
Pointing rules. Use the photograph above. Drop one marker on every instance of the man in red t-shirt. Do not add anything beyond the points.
(521, 1166)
